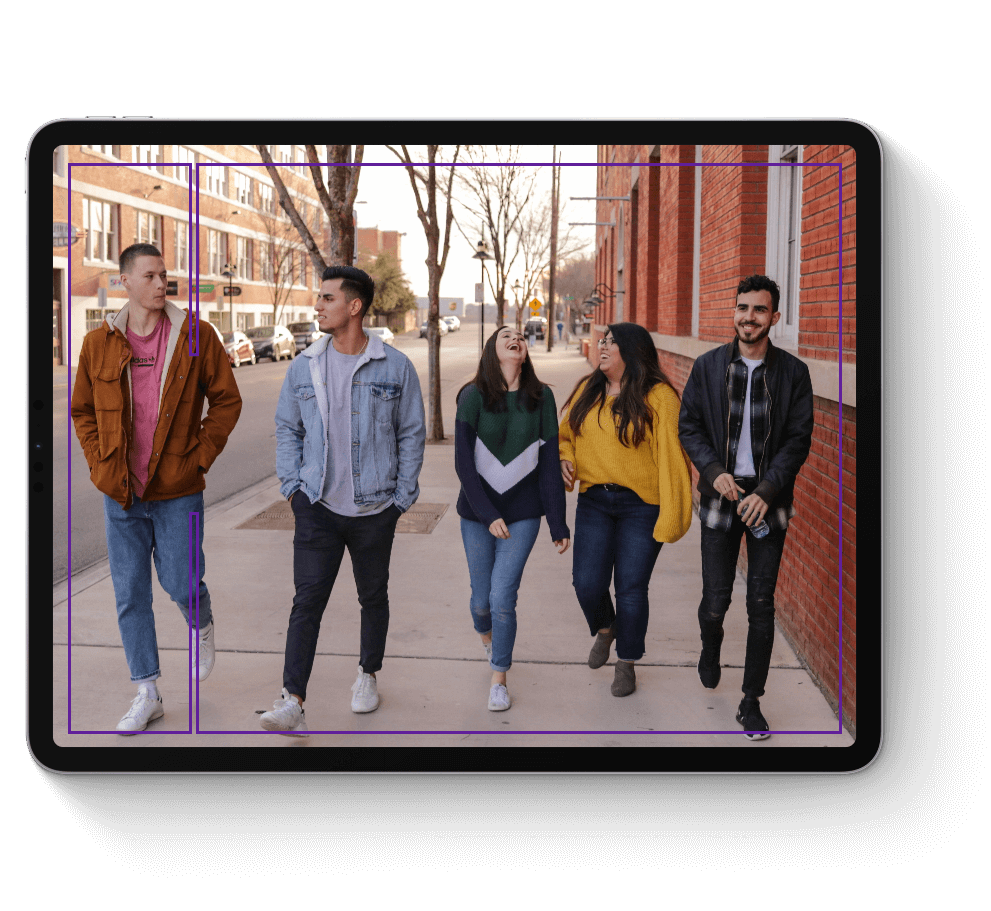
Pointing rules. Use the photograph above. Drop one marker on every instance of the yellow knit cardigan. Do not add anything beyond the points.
(657, 469)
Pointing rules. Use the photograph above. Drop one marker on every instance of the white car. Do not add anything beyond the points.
(442, 328)
(383, 332)
(453, 323)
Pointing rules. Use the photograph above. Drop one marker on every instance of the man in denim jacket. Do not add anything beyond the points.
(349, 432)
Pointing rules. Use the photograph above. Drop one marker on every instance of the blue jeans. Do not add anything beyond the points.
(614, 540)
(720, 551)
(318, 549)
(158, 530)
(495, 566)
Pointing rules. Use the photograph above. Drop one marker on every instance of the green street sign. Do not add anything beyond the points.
(205, 289)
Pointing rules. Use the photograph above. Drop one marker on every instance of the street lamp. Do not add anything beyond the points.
(481, 254)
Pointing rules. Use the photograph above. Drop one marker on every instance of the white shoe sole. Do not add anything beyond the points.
(158, 713)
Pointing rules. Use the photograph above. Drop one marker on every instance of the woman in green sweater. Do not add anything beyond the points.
(505, 454)
(619, 438)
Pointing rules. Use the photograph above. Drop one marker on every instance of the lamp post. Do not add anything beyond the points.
(228, 273)
(481, 254)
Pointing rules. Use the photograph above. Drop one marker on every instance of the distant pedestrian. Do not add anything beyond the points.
(137, 407)
(349, 432)
(505, 454)
(560, 331)
(619, 439)
(531, 334)
(746, 422)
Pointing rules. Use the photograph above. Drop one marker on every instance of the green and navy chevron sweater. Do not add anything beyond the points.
(508, 463)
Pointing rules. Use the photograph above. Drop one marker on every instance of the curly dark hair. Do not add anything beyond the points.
(757, 282)
(630, 409)
(492, 384)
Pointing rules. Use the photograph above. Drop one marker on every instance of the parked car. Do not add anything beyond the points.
(239, 348)
(441, 328)
(453, 323)
(536, 326)
(305, 334)
(275, 342)
(383, 332)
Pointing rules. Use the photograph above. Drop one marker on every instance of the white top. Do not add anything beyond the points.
(745, 451)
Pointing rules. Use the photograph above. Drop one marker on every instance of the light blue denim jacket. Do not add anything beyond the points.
(387, 426)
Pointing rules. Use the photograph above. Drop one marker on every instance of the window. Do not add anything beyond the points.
(244, 258)
(217, 246)
(181, 155)
(148, 229)
(106, 150)
(302, 268)
(151, 156)
(784, 248)
(95, 317)
(213, 178)
(100, 225)
(266, 199)
(242, 188)
(58, 161)
(267, 272)
(181, 246)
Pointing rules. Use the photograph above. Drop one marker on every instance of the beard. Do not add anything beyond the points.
(755, 337)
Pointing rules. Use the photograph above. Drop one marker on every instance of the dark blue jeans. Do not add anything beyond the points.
(318, 548)
(614, 541)
(720, 551)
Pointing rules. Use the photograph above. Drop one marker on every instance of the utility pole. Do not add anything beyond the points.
(555, 178)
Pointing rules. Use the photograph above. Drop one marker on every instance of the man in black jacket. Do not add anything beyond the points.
(746, 423)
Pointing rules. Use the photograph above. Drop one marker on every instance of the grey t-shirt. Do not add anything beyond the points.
(338, 490)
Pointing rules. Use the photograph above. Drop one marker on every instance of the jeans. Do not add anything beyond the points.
(614, 540)
(720, 550)
(495, 566)
(318, 548)
(158, 529)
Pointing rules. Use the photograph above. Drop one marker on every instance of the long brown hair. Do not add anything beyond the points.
(492, 384)
(630, 410)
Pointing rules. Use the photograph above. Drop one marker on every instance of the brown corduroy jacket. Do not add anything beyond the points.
(185, 444)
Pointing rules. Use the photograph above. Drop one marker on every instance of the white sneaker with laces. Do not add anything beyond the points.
(144, 708)
(286, 717)
(207, 652)
(366, 693)
(498, 698)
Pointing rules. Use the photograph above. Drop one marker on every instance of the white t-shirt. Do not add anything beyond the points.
(745, 451)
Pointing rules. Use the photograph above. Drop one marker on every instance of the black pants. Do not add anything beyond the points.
(318, 549)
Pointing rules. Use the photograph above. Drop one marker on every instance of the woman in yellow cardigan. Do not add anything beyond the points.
(619, 439)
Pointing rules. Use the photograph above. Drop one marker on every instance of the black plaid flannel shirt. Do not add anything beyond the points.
(718, 512)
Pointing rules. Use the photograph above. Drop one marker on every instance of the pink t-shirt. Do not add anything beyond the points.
(146, 384)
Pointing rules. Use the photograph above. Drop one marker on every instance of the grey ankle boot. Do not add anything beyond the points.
(600, 648)
(625, 681)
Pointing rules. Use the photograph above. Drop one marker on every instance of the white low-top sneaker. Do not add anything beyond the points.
(286, 717)
(498, 698)
(143, 709)
(207, 652)
(366, 693)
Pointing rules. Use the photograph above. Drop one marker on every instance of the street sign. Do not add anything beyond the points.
(479, 293)
(234, 291)
(64, 234)
(535, 305)
(204, 289)
(172, 289)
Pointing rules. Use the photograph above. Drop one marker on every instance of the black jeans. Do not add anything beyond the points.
(318, 549)
(720, 550)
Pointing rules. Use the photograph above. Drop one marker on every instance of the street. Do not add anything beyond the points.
(250, 453)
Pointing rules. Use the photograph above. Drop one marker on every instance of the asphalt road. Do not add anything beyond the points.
(248, 458)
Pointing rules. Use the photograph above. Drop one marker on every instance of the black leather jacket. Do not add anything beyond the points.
(704, 420)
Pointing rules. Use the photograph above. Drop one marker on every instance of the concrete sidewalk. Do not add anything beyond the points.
(435, 677)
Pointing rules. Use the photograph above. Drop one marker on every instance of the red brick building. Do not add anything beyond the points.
(686, 223)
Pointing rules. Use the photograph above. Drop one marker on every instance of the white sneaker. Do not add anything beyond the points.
(144, 708)
(366, 693)
(207, 652)
(286, 717)
(498, 698)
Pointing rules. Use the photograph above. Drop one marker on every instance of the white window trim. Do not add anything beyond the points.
(782, 335)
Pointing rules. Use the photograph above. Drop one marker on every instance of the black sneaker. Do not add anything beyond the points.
(708, 666)
(754, 725)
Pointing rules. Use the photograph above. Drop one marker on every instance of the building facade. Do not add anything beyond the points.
(684, 225)
(253, 269)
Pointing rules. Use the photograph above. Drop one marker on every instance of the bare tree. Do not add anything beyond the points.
(337, 198)
(495, 191)
(432, 187)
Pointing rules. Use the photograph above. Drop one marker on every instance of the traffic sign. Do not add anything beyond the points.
(535, 305)
(234, 291)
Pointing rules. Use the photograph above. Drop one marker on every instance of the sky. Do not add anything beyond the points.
(388, 204)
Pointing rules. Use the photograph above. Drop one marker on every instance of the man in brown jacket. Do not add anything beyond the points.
(136, 406)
